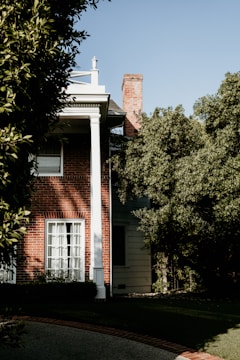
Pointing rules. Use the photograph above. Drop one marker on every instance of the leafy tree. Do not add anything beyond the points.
(38, 44)
(147, 167)
(190, 171)
(215, 186)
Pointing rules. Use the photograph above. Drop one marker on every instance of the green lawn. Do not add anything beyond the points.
(202, 324)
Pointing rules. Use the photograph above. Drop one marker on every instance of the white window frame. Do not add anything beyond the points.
(61, 255)
(60, 173)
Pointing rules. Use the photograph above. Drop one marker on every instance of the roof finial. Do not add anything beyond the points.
(94, 63)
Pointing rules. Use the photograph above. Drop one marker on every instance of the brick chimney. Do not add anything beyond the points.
(132, 102)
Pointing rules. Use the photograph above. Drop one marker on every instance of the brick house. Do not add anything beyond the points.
(79, 230)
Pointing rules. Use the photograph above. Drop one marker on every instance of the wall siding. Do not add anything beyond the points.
(136, 275)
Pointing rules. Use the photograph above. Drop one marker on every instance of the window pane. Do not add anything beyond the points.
(60, 227)
(118, 245)
(50, 239)
(50, 251)
(50, 266)
(49, 164)
(76, 239)
(77, 227)
(77, 274)
(51, 146)
(62, 240)
(69, 228)
(76, 263)
(76, 251)
(51, 228)
(8, 270)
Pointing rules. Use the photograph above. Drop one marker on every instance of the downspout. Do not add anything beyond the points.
(110, 214)
(110, 205)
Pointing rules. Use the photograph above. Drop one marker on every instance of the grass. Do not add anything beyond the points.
(208, 325)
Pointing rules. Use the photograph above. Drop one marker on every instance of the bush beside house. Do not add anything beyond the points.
(59, 292)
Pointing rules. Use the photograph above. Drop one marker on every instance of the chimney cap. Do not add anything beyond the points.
(137, 77)
(133, 76)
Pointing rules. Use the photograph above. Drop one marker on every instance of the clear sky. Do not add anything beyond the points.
(183, 48)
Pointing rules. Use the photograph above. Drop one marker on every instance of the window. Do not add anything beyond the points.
(65, 250)
(50, 158)
(8, 270)
(118, 245)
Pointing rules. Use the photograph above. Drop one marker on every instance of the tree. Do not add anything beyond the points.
(38, 44)
(190, 170)
(147, 167)
(215, 186)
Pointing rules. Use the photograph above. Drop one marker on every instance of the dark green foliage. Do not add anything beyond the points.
(38, 44)
(214, 188)
(147, 167)
(190, 170)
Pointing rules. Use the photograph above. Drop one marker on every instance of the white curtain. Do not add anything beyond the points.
(64, 249)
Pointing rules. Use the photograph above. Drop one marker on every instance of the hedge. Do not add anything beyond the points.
(59, 292)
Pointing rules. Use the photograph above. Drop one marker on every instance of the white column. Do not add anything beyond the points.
(96, 271)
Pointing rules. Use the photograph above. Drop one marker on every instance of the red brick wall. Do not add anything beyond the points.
(68, 197)
(132, 102)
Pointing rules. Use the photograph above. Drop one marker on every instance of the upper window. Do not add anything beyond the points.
(65, 249)
(50, 158)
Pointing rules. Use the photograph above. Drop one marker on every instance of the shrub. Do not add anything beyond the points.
(57, 292)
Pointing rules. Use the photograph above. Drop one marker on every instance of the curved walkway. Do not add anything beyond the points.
(75, 340)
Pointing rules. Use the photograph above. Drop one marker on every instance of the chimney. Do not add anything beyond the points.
(132, 102)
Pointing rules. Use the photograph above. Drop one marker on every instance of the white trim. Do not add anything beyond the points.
(81, 112)
(96, 268)
(96, 198)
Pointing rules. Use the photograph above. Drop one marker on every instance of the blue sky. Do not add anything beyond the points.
(183, 48)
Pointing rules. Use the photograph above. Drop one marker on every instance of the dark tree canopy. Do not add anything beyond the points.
(38, 44)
